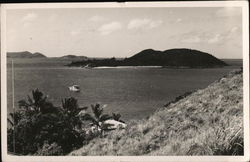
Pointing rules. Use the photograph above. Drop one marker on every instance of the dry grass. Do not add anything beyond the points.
(206, 122)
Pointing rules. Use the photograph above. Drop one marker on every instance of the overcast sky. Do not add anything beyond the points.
(122, 32)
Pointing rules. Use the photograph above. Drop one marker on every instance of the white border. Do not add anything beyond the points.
(245, 18)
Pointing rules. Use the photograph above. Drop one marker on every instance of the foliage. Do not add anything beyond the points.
(98, 118)
(71, 112)
(117, 117)
(40, 128)
(38, 120)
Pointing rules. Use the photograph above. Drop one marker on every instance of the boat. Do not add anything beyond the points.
(87, 66)
(74, 88)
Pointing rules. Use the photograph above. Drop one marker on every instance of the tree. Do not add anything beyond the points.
(34, 122)
(71, 112)
(98, 119)
(37, 104)
(39, 127)
(38, 120)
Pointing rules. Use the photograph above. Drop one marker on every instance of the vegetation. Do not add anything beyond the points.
(74, 57)
(40, 128)
(169, 58)
(117, 117)
(98, 119)
(206, 122)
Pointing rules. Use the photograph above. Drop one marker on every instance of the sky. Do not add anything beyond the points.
(123, 32)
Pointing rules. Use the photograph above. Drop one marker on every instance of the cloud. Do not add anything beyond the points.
(191, 39)
(228, 12)
(110, 27)
(96, 18)
(29, 17)
(178, 20)
(202, 37)
(75, 32)
(215, 39)
(210, 37)
(143, 24)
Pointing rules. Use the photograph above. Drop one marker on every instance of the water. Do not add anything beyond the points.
(134, 93)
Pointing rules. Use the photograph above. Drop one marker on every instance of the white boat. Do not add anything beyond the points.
(75, 88)
(87, 66)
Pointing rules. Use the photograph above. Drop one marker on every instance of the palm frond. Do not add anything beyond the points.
(83, 108)
(105, 117)
(11, 123)
(70, 104)
(30, 100)
(116, 116)
(88, 117)
(23, 103)
(37, 95)
(97, 110)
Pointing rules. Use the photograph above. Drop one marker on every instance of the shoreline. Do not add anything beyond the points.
(144, 67)
(124, 67)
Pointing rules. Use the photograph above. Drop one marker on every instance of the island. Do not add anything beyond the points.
(180, 58)
(25, 54)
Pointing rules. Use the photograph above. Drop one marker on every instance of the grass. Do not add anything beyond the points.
(205, 122)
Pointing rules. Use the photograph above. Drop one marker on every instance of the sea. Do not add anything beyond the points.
(135, 93)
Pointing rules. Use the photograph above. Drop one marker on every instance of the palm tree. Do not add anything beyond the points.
(117, 117)
(38, 120)
(98, 119)
(37, 103)
(72, 112)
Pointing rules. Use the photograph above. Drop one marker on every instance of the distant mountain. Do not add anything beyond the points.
(25, 54)
(74, 57)
(181, 57)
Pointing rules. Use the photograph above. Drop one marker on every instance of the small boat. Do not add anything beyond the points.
(74, 88)
(87, 66)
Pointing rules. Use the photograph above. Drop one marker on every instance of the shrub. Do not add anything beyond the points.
(38, 120)
(49, 149)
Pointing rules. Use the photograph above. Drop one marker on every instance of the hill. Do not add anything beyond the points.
(74, 57)
(206, 122)
(25, 54)
(170, 58)
(175, 57)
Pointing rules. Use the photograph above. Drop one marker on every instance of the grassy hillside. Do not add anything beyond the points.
(206, 122)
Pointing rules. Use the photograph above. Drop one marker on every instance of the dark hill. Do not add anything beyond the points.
(25, 54)
(174, 57)
(170, 58)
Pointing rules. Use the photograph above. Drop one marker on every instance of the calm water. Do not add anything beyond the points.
(135, 93)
